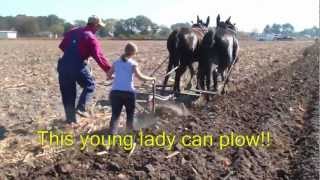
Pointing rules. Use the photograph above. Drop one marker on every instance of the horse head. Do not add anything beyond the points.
(201, 24)
(226, 25)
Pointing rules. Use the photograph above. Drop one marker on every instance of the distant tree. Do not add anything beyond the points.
(108, 29)
(43, 23)
(276, 28)
(79, 23)
(57, 29)
(119, 28)
(180, 25)
(287, 29)
(130, 26)
(67, 27)
(31, 26)
(312, 32)
(143, 24)
(26, 25)
(53, 19)
(7, 22)
(11, 21)
(154, 28)
(3, 23)
(164, 31)
(103, 32)
(110, 26)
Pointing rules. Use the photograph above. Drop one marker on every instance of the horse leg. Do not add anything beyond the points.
(200, 73)
(208, 76)
(198, 80)
(192, 72)
(215, 79)
(173, 62)
(222, 75)
(201, 79)
(179, 72)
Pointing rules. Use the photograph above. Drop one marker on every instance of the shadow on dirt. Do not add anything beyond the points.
(2, 132)
(103, 103)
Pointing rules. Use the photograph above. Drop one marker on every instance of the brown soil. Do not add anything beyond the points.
(275, 88)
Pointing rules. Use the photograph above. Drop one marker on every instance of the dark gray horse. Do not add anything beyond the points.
(219, 48)
(183, 46)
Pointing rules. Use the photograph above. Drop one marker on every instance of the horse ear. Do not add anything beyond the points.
(218, 19)
(198, 19)
(228, 20)
(208, 21)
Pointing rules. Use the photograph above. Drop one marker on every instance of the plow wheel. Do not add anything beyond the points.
(185, 78)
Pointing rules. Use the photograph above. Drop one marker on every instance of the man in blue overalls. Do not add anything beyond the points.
(78, 45)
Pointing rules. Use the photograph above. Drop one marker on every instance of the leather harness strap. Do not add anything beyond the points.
(200, 32)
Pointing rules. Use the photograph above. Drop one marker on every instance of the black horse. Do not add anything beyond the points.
(183, 46)
(219, 48)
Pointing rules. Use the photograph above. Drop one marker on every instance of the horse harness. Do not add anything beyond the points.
(200, 32)
(229, 29)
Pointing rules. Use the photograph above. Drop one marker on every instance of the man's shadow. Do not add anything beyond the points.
(3, 132)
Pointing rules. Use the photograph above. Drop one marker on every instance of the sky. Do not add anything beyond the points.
(249, 15)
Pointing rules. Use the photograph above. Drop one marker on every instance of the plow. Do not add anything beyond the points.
(150, 97)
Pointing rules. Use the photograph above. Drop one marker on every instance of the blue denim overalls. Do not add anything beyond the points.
(72, 69)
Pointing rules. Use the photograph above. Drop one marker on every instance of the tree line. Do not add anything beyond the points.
(288, 30)
(31, 26)
(135, 27)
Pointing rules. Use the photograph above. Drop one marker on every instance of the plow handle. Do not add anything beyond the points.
(153, 96)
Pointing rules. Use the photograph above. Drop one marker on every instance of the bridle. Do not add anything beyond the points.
(228, 28)
(201, 27)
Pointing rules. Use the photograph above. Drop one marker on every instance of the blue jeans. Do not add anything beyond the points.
(118, 100)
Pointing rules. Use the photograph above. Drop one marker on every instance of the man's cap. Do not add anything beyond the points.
(95, 20)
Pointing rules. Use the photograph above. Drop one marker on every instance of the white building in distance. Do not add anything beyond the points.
(8, 34)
